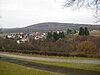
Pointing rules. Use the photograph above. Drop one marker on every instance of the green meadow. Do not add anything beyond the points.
(7, 68)
(81, 66)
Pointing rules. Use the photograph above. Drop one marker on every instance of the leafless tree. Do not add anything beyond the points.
(92, 4)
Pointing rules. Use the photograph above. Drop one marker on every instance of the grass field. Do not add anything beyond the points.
(14, 69)
(46, 67)
(90, 67)
(58, 57)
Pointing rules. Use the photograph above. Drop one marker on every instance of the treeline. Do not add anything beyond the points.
(58, 43)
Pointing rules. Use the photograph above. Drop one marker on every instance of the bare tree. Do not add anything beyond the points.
(92, 4)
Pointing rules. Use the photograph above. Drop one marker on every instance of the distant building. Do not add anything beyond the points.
(39, 35)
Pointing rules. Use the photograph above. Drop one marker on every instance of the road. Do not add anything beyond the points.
(31, 58)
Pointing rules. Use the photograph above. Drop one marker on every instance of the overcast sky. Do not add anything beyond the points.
(21, 13)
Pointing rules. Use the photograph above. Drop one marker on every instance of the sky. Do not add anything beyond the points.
(22, 13)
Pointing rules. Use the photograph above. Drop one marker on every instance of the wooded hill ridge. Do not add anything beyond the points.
(50, 26)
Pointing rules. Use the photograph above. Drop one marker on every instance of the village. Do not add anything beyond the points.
(24, 37)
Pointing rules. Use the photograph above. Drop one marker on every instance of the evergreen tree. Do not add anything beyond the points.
(55, 36)
(81, 31)
(74, 31)
(69, 31)
(61, 35)
(86, 31)
(49, 35)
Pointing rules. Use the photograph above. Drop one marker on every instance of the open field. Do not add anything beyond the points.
(7, 68)
(90, 67)
(57, 67)
(71, 66)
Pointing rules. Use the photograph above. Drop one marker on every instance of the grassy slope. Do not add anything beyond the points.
(91, 67)
(13, 69)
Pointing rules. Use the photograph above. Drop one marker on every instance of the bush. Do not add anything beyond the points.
(86, 48)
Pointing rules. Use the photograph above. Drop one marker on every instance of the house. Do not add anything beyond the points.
(39, 35)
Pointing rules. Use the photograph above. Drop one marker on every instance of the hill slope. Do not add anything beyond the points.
(48, 26)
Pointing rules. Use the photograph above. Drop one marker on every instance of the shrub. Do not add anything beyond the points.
(86, 48)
